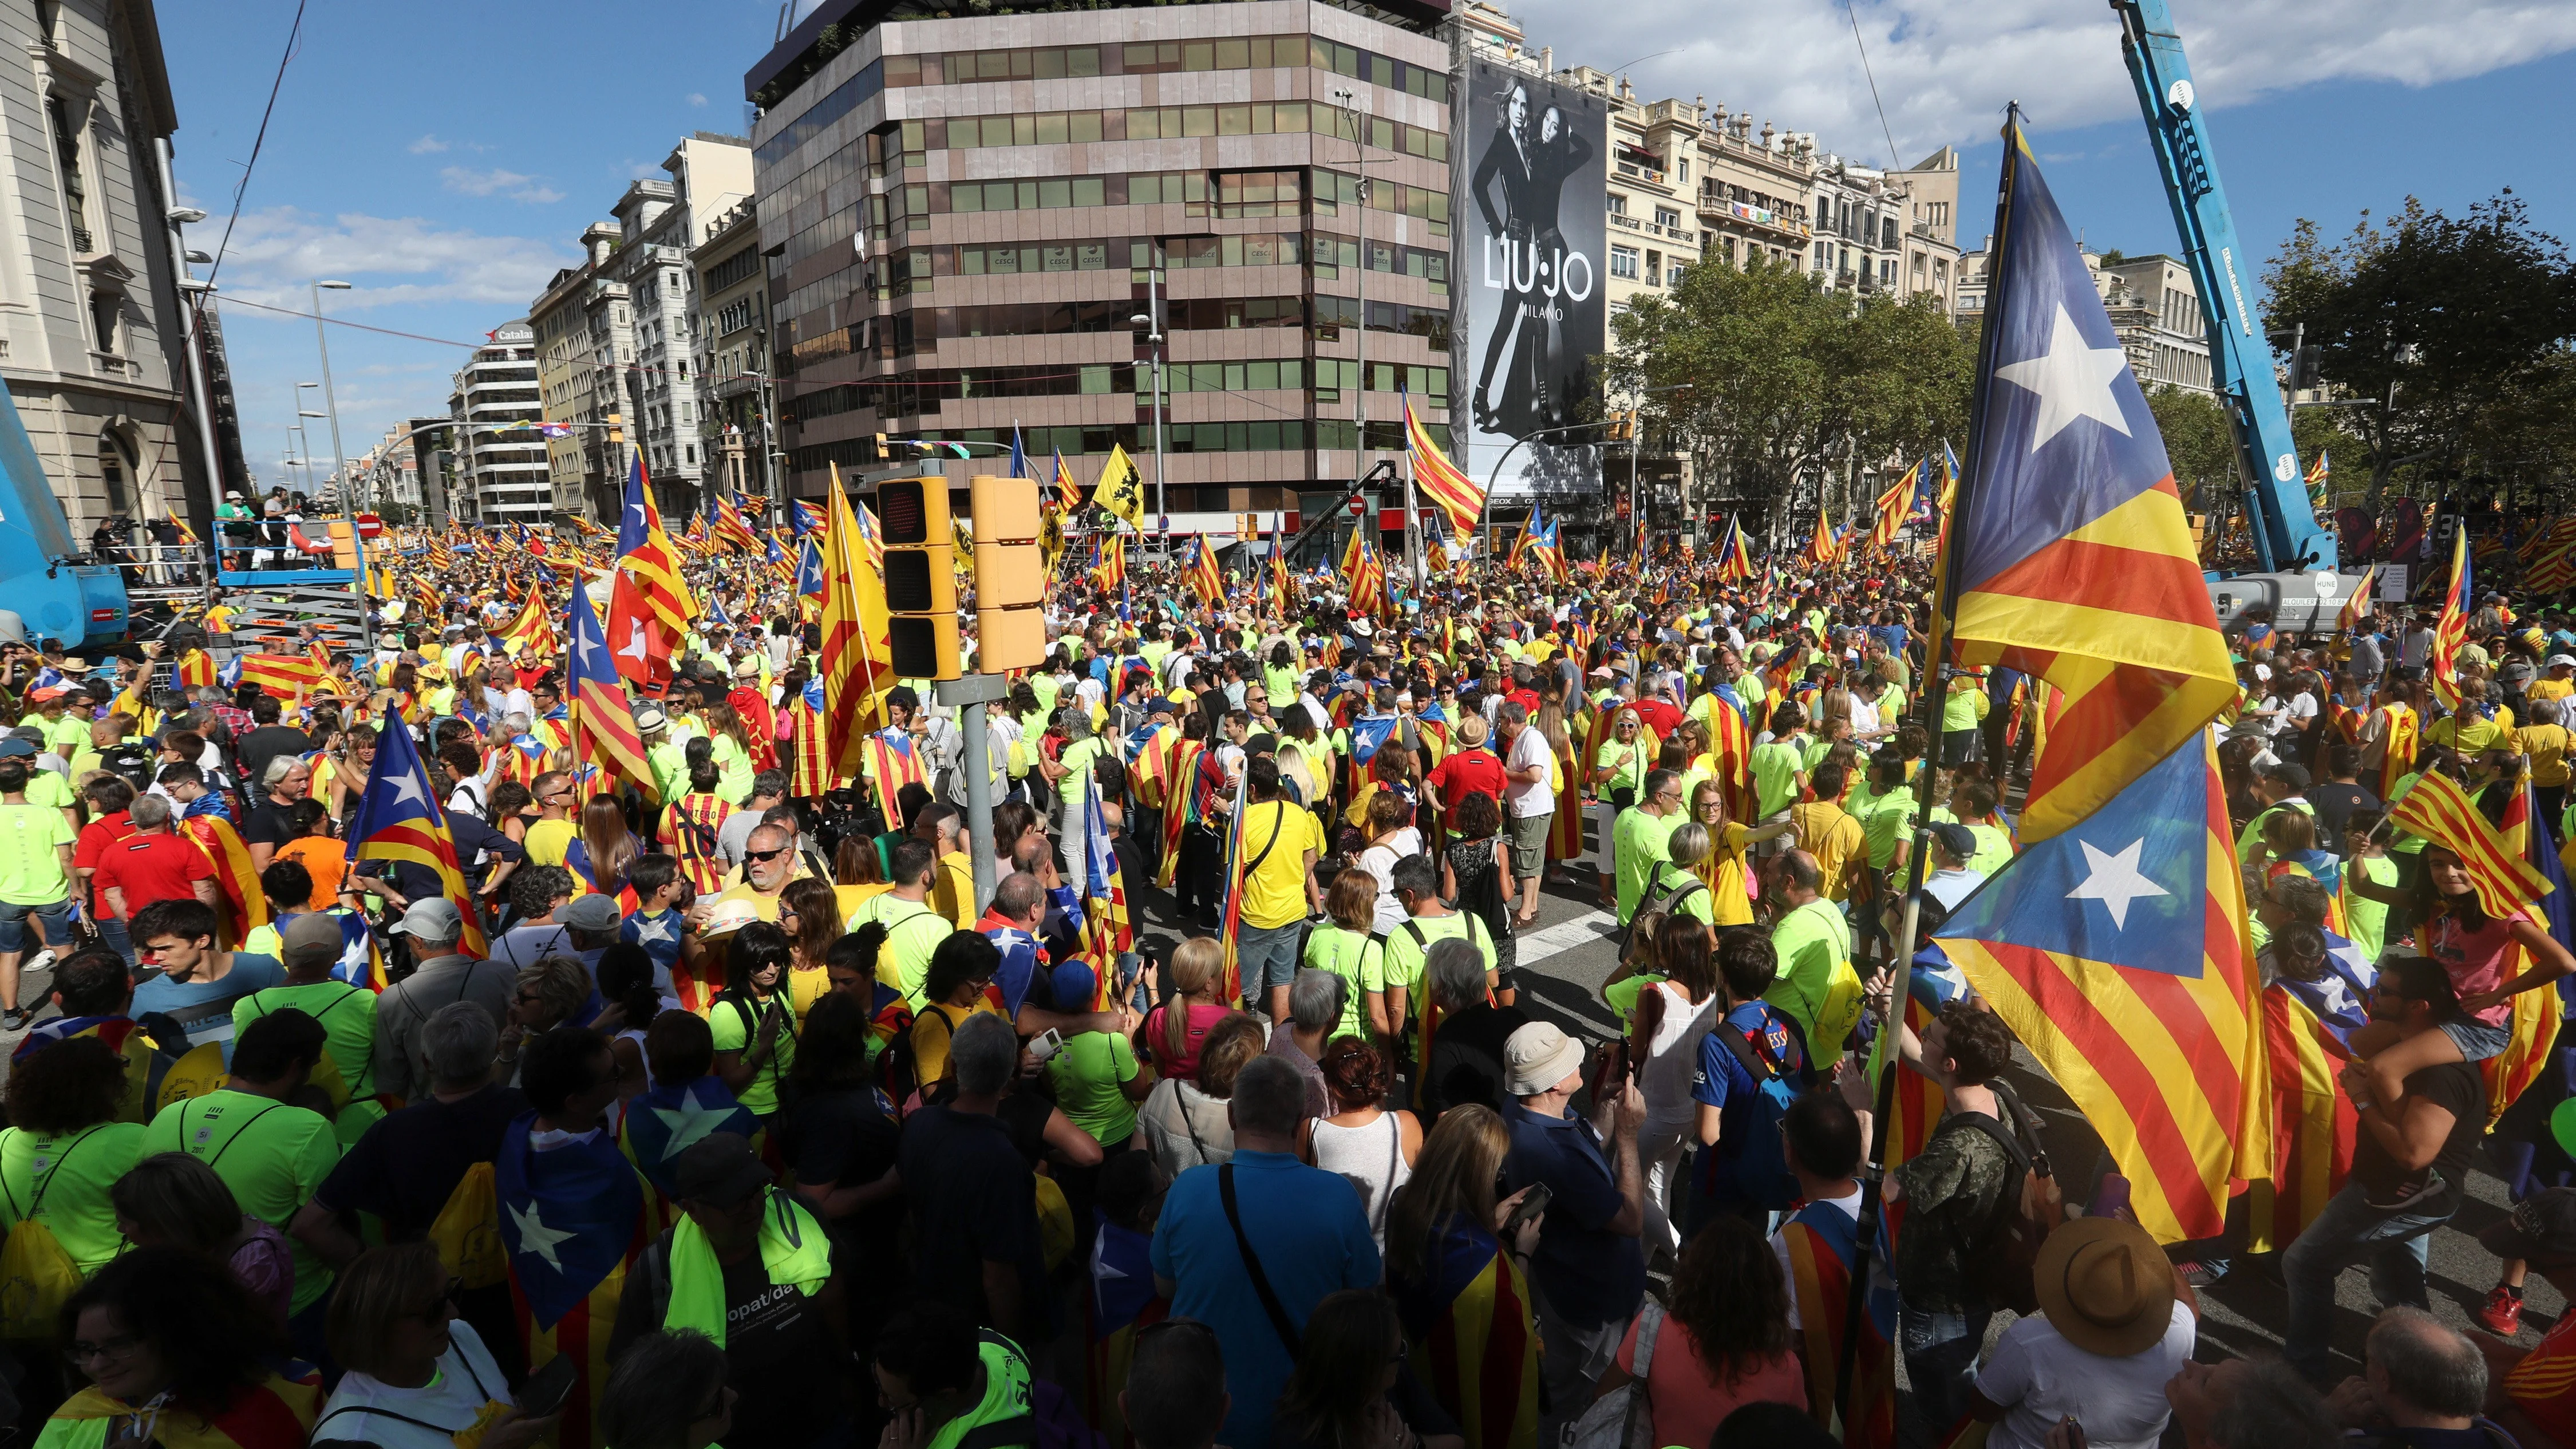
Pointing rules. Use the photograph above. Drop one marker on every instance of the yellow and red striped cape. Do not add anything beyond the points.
(689, 830)
(1475, 1339)
(279, 1411)
(888, 770)
(245, 904)
(1821, 1241)
(1565, 831)
(2313, 1122)
(2402, 732)
(1179, 788)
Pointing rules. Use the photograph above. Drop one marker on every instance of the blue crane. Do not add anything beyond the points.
(2289, 542)
(43, 593)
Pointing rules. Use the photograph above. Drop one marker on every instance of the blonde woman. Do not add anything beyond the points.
(1457, 1281)
(1193, 1003)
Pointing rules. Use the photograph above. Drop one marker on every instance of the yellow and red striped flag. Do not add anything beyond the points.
(2452, 630)
(2438, 810)
(856, 654)
(1449, 488)
(1206, 580)
(602, 721)
(283, 675)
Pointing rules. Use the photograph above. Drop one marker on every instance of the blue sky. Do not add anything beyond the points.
(445, 159)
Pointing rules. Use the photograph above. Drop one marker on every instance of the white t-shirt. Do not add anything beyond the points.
(2041, 1378)
(1529, 797)
(467, 1379)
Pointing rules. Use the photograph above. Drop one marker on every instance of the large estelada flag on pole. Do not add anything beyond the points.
(602, 723)
(399, 819)
(2075, 561)
(649, 606)
(2452, 629)
(2116, 950)
(1443, 482)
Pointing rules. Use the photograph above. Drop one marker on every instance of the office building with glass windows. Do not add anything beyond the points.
(962, 218)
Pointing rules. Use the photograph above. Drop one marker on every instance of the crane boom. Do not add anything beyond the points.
(2287, 536)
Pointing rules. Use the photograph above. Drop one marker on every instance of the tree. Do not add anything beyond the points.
(2200, 445)
(1777, 386)
(2460, 326)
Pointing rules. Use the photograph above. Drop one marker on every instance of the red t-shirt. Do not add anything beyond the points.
(1468, 772)
(95, 838)
(2543, 1385)
(1526, 698)
(151, 868)
(1659, 716)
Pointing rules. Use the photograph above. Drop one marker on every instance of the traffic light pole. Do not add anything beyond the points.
(968, 696)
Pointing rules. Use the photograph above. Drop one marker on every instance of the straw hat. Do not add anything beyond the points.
(2105, 1286)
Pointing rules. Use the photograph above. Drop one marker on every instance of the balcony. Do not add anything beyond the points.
(1720, 209)
(1648, 174)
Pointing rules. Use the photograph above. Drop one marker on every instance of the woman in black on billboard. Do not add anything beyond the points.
(1562, 151)
(1508, 157)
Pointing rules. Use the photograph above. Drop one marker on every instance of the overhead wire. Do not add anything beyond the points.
(241, 189)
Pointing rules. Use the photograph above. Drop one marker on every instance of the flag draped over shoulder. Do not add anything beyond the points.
(399, 819)
(2074, 559)
(1443, 482)
(855, 654)
(2117, 952)
(2307, 1029)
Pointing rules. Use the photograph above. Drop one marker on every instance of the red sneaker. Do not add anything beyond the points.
(2503, 1314)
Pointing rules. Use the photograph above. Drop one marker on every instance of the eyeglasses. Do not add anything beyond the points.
(115, 1350)
(764, 854)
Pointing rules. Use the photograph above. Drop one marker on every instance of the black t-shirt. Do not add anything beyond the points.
(779, 1353)
(1467, 1059)
(405, 1166)
(266, 743)
(265, 822)
(2453, 1086)
(2335, 804)
(846, 1138)
(973, 1202)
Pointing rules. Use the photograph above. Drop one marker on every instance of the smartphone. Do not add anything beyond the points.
(547, 1388)
(1046, 1044)
(1530, 1206)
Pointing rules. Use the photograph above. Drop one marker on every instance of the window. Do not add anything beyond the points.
(1668, 218)
(1618, 204)
(67, 160)
(1887, 271)
(1654, 265)
(102, 317)
(1887, 230)
(1674, 277)
(1623, 262)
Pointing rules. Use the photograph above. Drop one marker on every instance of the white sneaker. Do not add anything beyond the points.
(39, 961)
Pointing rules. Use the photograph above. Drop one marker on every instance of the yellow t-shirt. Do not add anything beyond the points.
(1276, 836)
(932, 1031)
(547, 840)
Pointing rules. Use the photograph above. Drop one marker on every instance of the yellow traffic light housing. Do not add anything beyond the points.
(920, 583)
(1010, 574)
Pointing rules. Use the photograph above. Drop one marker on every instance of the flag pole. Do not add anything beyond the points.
(1884, 1064)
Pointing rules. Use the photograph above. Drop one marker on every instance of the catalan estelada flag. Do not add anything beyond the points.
(2358, 603)
(1456, 495)
(1110, 569)
(1205, 578)
(1825, 548)
(855, 653)
(1479, 1357)
(1363, 574)
(2116, 950)
(1823, 1246)
(649, 605)
(2516, 873)
(1734, 560)
(2307, 1032)
(572, 1220)
(399, 819)
(809, 570)
(2074, 558)
(285, 675)
(810, 773)
(602, 723)
(808, 518)
(2452, 629)
(1544, 548)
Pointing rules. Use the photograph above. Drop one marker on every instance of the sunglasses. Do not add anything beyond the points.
(764, 854)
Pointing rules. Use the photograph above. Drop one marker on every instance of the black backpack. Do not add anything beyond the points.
(1999, 1263)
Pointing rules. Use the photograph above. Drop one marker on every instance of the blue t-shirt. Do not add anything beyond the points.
(1723, 1083)
(1313, 1240)
(205, 1008)
(1591, 1274)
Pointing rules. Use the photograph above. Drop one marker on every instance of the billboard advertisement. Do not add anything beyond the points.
(1532, 242)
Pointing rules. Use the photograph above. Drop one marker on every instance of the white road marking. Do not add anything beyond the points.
(1564, 936)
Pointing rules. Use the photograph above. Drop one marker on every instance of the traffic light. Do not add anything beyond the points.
(1010, 575)
(920, 587)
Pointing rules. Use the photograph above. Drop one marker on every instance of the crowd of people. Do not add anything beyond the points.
(722, 1106)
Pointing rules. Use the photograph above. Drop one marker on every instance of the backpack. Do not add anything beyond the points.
(1760, 1162)
(1655, 909)
(1998, 1264)
(36, 1276)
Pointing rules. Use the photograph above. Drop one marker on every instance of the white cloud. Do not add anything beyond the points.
(697, 98)
(393, 260)
(512, 184)
(427, 144)
(1945, 70)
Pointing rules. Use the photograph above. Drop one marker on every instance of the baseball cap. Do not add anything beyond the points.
(2557, 659)
(434, 918)
(2542, 1227)
(592, 913)
(314, 931)
(1955, 838)
(15, 749)
(1536, 1057)
(718, 1170)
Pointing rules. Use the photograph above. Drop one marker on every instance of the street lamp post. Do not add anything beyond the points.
(1152, 320)
(339, 463)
